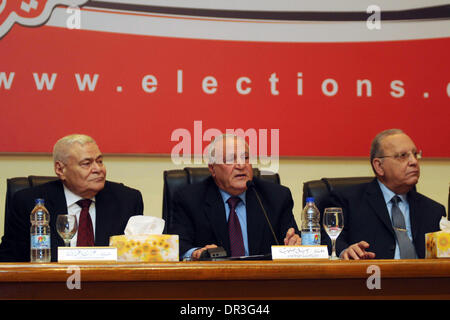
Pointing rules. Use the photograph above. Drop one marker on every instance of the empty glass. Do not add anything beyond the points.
(67, 226)
(333, 223)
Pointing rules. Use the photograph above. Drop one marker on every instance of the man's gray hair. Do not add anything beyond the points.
(218, 142)
(375, 147)
(62, 146)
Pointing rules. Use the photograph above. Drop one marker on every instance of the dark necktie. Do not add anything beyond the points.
(85, 236)
(234, 229)
(407, 250)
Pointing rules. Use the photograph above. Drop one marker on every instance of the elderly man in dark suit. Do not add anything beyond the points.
(102, 207)
(387, 218)
(221, 211)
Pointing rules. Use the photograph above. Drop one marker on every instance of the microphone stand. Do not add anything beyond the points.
(250, 184)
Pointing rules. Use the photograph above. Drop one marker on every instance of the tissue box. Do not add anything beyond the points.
(437, 245)
(146, 247)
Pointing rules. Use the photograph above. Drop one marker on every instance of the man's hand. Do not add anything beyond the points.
(357, 251)
(292, 239)
(197, 253)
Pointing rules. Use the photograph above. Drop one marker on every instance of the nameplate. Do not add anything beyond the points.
(299, 252)
(87, 254)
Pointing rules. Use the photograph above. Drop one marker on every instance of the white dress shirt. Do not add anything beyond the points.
(74, 209)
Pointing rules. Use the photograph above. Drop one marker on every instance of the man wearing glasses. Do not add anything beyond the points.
(387, 218)
(221, 211)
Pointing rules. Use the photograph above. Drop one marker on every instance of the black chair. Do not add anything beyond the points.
(320, 189)
(38, 180)
(175, 179)
(19, 183)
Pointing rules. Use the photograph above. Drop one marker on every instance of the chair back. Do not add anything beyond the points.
(178, 178)
(320, 189)
(19, 183)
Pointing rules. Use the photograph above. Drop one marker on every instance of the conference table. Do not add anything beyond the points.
(229, 280)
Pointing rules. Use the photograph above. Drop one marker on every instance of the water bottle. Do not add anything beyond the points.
(310, 224)
(40, 233)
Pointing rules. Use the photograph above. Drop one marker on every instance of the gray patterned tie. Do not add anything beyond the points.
(407, 250)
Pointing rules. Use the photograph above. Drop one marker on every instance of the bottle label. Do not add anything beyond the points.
(40, 241)
(310, 238)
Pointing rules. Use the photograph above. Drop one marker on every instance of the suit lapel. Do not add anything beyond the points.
(55, 202)
(55, 199)
(414, 210)
(378, 205)
(103, 218)
(255, 223)
(215, 212)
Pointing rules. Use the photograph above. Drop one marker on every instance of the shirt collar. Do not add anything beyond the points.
(225, 196)
(72, 198)
(388, 194)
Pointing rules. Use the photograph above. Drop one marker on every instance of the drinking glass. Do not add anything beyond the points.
(333, 223)
(67, 226)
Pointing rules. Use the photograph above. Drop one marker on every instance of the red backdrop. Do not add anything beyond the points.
(132, 120)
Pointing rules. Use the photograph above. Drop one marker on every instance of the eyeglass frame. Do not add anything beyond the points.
(405, 155)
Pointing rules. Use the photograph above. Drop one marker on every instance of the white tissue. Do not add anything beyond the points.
(144, 225)
(444, 224)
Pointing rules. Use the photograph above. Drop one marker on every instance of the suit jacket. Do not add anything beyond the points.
(366, 217)
(199, 216)
(114, 205)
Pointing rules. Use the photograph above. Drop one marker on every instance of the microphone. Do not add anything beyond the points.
(251, 184)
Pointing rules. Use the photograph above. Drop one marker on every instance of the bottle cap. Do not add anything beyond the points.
(39, 201)
(310, 199)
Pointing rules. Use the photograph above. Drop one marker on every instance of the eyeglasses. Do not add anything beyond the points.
(405, 155)
(232, 159)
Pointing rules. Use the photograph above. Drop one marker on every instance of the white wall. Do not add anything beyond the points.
(146, 174)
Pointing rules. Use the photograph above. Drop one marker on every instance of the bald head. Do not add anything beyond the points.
(61, 149)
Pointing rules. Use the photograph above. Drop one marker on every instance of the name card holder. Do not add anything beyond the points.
(299, 252)
(87, 254)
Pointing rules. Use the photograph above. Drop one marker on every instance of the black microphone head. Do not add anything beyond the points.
(250, 184)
